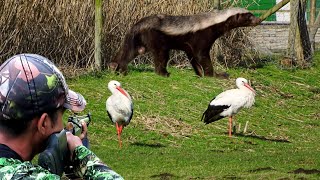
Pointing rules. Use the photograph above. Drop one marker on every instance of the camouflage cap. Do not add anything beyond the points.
(31, 84)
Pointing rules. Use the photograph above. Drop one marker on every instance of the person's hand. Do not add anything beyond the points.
(75, 141)
(84, 129)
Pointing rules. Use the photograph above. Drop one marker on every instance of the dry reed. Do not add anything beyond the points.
(63, 30)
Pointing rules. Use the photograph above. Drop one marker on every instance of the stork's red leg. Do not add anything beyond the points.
(117, 127)
(119, 131)
(230, 126)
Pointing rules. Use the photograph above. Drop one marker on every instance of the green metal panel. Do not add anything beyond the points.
(317, 8)
(258, 7)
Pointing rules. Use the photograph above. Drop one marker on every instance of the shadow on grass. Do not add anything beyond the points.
(264, 138)
(305, 171)
(153, 145)
(232, 177)
(141, 68)
(164, 176)
(262, 169)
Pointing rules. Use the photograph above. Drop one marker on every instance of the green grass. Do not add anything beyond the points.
(167, 140)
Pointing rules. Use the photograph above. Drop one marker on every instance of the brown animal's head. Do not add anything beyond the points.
(245, 19)
(113, 66)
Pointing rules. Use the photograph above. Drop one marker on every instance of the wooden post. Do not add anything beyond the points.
(217, 4)
(246, 127)
(274, 9)
(313, 31)
(97, 34)
(312, 12)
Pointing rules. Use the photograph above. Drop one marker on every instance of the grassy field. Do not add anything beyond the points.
(167, 140)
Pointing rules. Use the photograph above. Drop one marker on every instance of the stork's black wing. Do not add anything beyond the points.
(213, 113)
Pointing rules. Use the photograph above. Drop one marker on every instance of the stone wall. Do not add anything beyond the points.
(271, 37)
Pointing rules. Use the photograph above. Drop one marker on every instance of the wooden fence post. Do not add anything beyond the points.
(274, 9)
(97, 34)
(217, 4)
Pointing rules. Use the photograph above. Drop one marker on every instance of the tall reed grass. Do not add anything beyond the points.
(63, 30)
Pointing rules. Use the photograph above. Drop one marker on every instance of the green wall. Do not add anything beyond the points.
(308, 8)
(258, 5)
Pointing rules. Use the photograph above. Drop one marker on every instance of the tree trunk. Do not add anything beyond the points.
(314, 24)
(299, 47)
(312, 11)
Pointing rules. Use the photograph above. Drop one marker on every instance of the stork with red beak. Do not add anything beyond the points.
(119, 107)
(229, 103)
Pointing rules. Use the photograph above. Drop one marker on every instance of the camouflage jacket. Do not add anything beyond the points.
(87, 165)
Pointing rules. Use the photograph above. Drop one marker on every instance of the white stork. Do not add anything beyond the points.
(119, 107)
(229, 103)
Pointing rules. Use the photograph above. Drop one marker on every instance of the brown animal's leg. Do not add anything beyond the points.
(200, 60)
(161, 58)
(195, 64)
(123, 69)
(197, 67)
(158, 45)
(208, 69)
(205, 62)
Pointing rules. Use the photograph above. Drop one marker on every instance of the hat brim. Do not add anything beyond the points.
(75, 102)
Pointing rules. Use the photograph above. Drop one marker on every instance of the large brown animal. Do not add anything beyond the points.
(193, 34)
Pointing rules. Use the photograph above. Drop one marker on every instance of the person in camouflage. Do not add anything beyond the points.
(33, 97)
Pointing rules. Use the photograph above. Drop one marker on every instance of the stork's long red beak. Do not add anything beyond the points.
(122, 91)
(249, 87)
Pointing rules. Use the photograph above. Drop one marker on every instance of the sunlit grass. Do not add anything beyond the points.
(283, 132)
